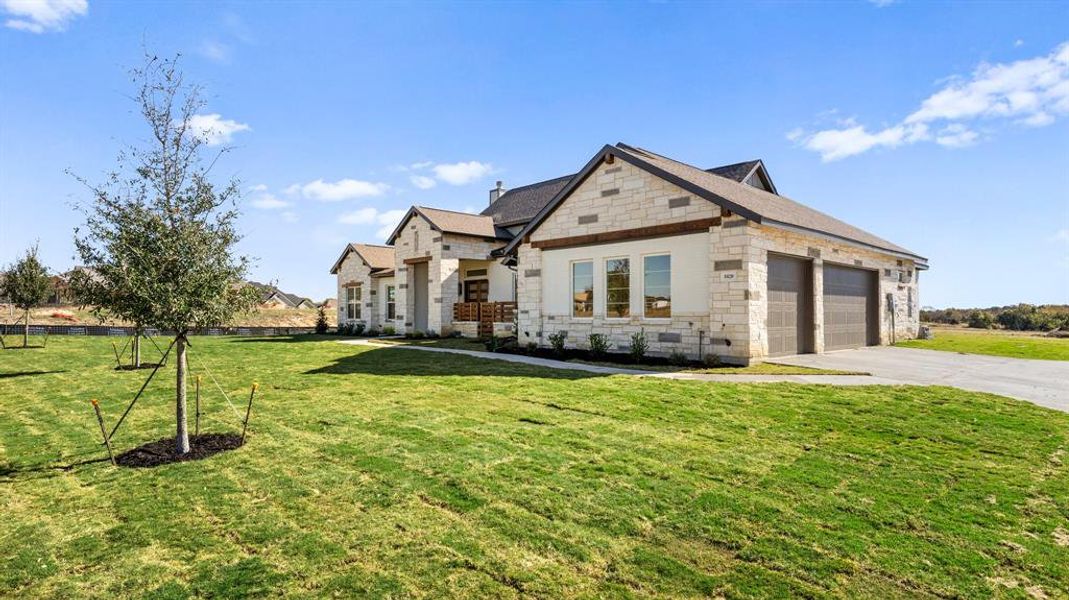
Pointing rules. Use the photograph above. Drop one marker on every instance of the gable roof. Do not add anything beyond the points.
(519, 205)
(744, 200)
(375, 257)
(742, 171)
(451, 221)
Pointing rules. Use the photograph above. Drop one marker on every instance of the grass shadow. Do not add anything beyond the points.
(400, 362)
(28, 373)
(288, 339)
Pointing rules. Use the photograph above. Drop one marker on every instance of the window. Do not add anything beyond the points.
(909, 305)
(617, 288)
(657, 286)
(583, 289)
(391, 303)
(352, 303)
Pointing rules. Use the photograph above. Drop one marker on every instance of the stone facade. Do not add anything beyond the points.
(443, 253)
(733, 324)
(353, 272)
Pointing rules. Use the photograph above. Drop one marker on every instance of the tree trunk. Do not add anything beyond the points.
(26, 330)
(182, 437)
(135, 357)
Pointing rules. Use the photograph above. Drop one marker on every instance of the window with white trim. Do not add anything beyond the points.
(351, 303)
(583, 289)
(617, 288)
(657, 286)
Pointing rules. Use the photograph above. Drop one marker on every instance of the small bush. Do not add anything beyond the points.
(373, 332)
(431, 334)
(557, 341)
(678, 358)
(599, 344)
(638, 347)
(532, 347)
(389, 330)
(345, 329)
(321, 321)
(979, 319)
(416, 335)
(359, 330)
(712, 361)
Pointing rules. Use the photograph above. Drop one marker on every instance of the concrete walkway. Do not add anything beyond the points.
(1043, 382)
(559, 364)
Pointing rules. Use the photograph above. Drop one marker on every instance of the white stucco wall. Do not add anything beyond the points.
(689, 279)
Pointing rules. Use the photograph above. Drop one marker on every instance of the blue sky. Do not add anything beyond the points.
(942, 127)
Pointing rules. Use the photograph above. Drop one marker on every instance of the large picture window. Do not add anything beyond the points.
(657, 286)
(617, 288)
(391, 302)
(583, 289)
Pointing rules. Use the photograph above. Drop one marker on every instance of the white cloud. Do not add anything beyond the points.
(1032, 92)
(214, 129)
(215, 51)
(420, 165)
(956, 135)
(387, 220)
(834, 144)
(423, 182)
(39, 16)
(1018, 43)
(259, 187)
(289, 216)
(462, 173)
(1062, 235)
(882, 3)
(343, 189)
(266, 201)
(363, 216)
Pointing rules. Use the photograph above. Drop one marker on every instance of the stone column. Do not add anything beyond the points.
(529, 295)
(818, 305)
(445, 275)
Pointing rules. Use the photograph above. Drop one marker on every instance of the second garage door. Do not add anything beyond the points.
(789, 323)
(850, 308)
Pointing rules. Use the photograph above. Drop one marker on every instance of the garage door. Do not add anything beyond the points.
(849, 307)
(789, 323)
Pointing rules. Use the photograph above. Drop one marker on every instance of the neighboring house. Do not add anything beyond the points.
(272, 297)
(329, 304)
(701, 260)
(366, 288)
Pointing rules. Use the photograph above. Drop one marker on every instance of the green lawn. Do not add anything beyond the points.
(388, 472)
(994, 343)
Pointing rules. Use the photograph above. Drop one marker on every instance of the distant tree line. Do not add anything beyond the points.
(1020, 317)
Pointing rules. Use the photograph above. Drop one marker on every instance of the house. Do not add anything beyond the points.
(703, 261)
(272, 297)
(367, 293)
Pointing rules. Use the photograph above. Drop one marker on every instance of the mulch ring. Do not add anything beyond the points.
(164, 452)
(144, 365)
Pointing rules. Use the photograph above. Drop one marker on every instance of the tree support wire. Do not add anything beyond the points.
(139, 392)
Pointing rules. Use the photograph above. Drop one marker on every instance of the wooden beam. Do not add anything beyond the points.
(417, 260)
(652, 231)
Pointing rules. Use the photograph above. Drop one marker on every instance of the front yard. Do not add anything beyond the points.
(994, 343)
(384, 472)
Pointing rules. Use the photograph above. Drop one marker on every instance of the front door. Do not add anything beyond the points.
(477, 291)
(419, 284)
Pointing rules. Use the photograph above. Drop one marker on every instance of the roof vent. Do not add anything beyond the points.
(496, 192)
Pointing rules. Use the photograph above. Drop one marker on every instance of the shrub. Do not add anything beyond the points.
(557, 341)
(678, 358)
(389, 330)
(532, 347)
(712, 361)
(373, 332)
(599, 344)
(321, 321)
(638, 347)
(492, 343)
(979, 319)
(360, 328)
(416, 335)
(345, 329)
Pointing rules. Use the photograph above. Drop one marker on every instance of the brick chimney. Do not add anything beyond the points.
(496, 192)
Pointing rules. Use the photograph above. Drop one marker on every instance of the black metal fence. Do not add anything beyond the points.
(107, 330)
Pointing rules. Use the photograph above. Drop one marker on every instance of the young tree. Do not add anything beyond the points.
(26, 285)
(159, 237)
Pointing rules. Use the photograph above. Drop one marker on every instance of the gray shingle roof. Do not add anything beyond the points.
(450, 221)
(766, 206)
(520, 205)
(737, 171)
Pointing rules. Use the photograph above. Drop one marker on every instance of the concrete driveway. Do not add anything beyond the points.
(1043, 382)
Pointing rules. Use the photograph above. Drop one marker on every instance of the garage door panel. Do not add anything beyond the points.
(788, 321)
(849, 307)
